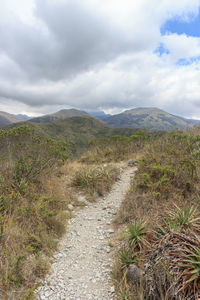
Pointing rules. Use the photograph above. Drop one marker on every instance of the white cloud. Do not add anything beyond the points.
(96, 54)
(182, 46)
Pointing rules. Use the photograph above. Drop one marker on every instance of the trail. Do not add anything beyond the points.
(81, 269)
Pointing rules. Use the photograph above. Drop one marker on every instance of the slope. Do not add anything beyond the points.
(149, 118)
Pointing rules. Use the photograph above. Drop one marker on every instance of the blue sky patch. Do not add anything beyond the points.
(161, 49)
(186, 62)
(175, 25)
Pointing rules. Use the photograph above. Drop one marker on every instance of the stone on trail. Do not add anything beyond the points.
(70, 207)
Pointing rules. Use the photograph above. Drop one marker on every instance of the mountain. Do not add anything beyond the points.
(149, 118)
(100, 115)
(77, 131)
(60, 115)
(6, 118)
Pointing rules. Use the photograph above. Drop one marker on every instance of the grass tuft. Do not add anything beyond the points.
(95, 180)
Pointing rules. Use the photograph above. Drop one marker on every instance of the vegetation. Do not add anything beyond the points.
(31, 208)
(160, 215)
(164, 239)
(164, 195)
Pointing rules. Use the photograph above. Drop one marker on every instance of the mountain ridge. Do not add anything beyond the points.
(151, 118)
(59, 115)
(6, 118)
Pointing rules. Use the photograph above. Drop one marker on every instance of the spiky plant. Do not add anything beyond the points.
(136, 233)
(127, 257)
(185, 217)
(191, 266)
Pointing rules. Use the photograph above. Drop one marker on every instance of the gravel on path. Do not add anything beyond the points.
(82, 266)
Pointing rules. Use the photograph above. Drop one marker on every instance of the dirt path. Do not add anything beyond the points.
(81, 270)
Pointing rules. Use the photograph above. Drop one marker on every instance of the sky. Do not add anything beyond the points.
(106, 55)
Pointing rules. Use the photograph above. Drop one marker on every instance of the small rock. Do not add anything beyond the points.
(112, 290)
(117, 176)
(134, 274)
(70, 207)
(132, 163)
(81, 199)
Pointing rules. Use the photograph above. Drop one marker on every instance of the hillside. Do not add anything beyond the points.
(60, 115)
(149, 118)
(6, 118)
(77, 131)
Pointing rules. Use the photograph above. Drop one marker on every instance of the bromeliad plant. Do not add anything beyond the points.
(127, 257)
(180, 220)
(136, 234)
(185, 217)
(191, 266)
(180, 236)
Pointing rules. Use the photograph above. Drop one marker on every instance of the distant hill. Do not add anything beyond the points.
(6, 118)
(77, 131)
(149, 118)
(60, 115)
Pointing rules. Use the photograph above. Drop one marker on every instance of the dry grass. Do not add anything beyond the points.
(33, 200)
(30, 235)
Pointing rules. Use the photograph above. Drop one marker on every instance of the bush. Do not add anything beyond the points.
(26, 156)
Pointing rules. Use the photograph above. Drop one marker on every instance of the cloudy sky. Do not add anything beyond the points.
(100, 54)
